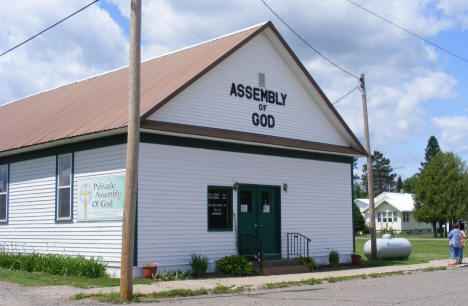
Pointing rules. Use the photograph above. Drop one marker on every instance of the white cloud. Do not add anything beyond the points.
(82, 46)
(454, 133)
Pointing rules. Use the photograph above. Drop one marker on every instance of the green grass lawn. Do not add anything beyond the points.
(404, 235)
(44, 279)
(423, 251)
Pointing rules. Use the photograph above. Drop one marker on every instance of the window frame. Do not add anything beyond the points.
(6, 193)
(395, 216)
(389, 217)
(379, 216)
(57, 187)
(406, 216)
(230, 207)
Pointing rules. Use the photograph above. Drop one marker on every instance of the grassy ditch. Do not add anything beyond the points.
(149, 297)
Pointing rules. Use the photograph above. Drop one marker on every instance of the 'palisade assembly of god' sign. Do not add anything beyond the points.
(239, 149)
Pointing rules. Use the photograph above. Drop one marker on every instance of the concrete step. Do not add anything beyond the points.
(281, 266)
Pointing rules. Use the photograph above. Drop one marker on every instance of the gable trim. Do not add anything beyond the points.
(359, 146)
(359, 149)
(204, 71)
(246, 137)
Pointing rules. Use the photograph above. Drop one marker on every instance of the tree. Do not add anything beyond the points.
(358, 192)
(442, 190)
(399, 184)
(410, 183)
(359, 222)
(384, 177)
(431, 151)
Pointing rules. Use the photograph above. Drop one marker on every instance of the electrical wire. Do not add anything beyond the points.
(307, 43)
(409, 32)
(349, 92)
(58, 22)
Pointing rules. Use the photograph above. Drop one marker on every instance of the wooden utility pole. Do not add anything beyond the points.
(133, 140)
(370, 176)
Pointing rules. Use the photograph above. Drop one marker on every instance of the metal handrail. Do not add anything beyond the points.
(297, 245)
(251, 247)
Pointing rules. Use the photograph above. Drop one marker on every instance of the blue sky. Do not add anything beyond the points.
(414, 89)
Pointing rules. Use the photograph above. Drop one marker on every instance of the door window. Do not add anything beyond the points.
(246, 199)
(267, 201)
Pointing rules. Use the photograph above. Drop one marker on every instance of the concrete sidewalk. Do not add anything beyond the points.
(255, 282)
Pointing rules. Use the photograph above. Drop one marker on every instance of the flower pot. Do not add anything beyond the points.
(356, 259)
(148, 272)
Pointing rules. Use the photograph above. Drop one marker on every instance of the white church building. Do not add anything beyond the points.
(239, 147)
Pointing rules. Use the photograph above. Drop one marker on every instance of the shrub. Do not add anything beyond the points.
(199, 264)
(172, 275)
(234, 264)
(333, 258)
(366, 230)
(54, 264)
(391, 231)
(309, 262)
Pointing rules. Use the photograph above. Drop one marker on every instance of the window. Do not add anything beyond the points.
(219, 208)
(389, 217)
(379, 217)
(64, 194)
(395, 216)
(246, 199)
(384, 217)
(406, 217)
(4, 176)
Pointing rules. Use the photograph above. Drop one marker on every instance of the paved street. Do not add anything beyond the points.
(426, 288)
(447, 287)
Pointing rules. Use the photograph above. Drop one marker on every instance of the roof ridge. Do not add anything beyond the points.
(141, 62)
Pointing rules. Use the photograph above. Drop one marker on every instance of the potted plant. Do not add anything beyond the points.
(356, 259)
(150, 269)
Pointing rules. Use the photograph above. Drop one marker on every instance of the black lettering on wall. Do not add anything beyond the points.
(240, 90)
(255, 120)
(256, 94)
(248, 92)
(264, 95)
(233, 89)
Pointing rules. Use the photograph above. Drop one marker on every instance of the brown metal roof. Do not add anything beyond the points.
(100, 103)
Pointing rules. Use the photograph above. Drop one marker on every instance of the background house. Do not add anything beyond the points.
(394, 211)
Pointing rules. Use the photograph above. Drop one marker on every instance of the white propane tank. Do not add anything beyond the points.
(388, 247)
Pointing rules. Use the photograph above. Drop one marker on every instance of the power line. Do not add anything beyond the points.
(58, 22)
(349, 92)
(409, 32)
(308, 44)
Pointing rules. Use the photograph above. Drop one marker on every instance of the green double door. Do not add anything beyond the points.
(258, 211)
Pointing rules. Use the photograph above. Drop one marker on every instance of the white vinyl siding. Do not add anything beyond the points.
(172, 210)
(32, 226)
(208, 102)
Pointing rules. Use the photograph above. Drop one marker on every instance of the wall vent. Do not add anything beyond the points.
(261, 80)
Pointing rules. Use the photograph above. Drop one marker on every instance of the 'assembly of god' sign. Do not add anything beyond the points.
(100, 198)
